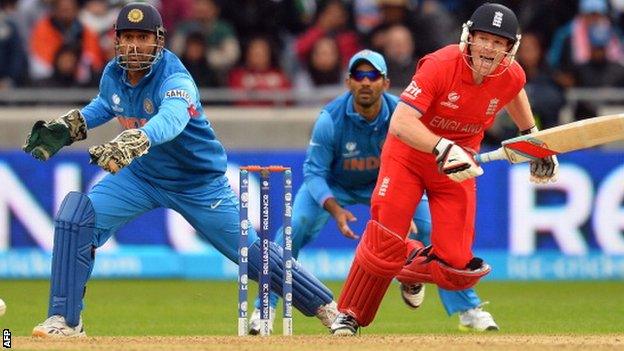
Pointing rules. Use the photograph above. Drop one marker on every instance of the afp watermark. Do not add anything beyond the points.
(6, 338)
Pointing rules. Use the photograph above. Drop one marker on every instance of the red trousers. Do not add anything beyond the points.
(404, 175)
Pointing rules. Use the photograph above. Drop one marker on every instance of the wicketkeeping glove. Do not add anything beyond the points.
(545, 169)
(455, 161)
(121, 151)
(47, 138)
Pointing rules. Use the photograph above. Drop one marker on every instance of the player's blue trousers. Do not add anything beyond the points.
(211, 209)
(309, 218)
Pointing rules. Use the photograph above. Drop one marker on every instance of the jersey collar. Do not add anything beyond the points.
(383, 114)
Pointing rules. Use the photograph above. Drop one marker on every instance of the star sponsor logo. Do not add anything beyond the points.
(412, 90)
(180, 94)
(192, 109)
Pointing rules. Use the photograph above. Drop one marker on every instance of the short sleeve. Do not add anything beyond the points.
(422, 90)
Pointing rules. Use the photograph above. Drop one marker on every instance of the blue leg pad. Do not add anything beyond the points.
(308, 292)
(72, 256)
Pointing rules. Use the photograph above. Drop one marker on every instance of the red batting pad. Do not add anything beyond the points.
(378, 258)
(423, 269)
(528, 148)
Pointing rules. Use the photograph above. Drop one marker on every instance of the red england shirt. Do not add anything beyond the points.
(452, 104)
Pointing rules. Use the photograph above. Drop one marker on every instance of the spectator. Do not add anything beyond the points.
(333, 20)
(399, 52)
(367, 15)
(546, 97)
(430, 24)
(571, 45)
(323, 67)
(13, 63)
(65, 69)
(545, 17)
(259, 72)
(175, 12)
(195, 60)
(222, 45)
(63, 27)
(99, 17)
(28, 13)
(599, 71)
(271, 18)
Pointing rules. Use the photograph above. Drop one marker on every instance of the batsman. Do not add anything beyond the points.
(453, 98)
(167, 156)
(340, 170)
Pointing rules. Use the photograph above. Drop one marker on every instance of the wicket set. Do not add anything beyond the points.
(264, 281)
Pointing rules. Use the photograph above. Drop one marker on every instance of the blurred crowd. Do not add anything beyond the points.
(279, 45)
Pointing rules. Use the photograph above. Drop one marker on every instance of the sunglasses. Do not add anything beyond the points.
(359, 76)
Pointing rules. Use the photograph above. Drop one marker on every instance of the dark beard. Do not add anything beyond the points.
(366, 104)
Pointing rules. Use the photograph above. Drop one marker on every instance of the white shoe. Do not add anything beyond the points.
(344, 325)
(56, 327)
(255, 323)
(476, 319)
(328, 313)
(413, 295)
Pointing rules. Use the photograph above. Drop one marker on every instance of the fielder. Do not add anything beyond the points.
(453, 97)
(341, 169)
(168, 156)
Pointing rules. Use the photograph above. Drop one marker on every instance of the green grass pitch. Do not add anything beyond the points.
(179, 307)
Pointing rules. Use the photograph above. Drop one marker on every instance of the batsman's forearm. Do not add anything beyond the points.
(520, 111)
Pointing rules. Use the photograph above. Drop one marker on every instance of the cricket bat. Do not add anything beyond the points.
(564, 138)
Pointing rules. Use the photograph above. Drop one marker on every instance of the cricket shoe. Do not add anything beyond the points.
(476, 319)
(56, 327)
(413, 295)
(344, 325)
(255, 323)
(328, 313)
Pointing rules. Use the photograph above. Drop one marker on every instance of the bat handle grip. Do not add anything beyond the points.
(498, 154)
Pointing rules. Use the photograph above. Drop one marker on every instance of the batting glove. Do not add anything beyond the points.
(455, 161)
(543, 170)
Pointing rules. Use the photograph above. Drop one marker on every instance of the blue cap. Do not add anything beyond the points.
(593, 6)
(374, 58)
(139, 16)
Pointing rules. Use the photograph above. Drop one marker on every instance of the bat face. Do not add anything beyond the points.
(526, 148)
(564, 138)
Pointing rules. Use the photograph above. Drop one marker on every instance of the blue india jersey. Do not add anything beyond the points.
(344, 149)
(165, 104)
